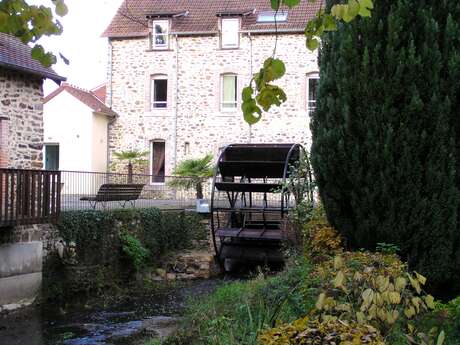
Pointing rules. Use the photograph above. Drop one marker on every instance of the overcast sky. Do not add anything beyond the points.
(81, 42)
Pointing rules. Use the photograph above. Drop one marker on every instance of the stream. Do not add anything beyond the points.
(128, 323)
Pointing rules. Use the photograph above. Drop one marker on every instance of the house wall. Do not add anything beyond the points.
(99, 145)
(22, 103)
(194, 66)
(68, 122)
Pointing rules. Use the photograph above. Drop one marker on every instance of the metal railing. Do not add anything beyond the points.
(29, 196)
(78, 187)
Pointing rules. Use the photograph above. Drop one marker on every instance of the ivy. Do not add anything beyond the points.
(261, 94)
(30, 22)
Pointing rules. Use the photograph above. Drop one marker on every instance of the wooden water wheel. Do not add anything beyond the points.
(249, 205)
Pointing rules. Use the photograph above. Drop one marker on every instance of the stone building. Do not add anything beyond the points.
(21, 105)
(177, 68)
(21, 140)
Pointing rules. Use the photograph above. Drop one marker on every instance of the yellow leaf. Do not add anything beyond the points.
(429, 300)
(338, 262)
(392, 316)
(368, 296)
(339, 280)
(415, 284)
(378, 299)
(416, 302)
(382, 314)
(395, 297)
(372, 313)
(358, 276)
(361, 317)
(382, 283)
(409, 312)
(420, 278)
(320, 302)
(400, 284)
(410, 328)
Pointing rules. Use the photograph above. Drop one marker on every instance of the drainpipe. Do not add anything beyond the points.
(250, 73)
(176, 101)
(110, 100)
(111, 122)
(110, 73)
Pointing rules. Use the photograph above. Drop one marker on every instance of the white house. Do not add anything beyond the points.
(75, 130)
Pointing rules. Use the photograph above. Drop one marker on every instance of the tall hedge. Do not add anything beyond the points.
(386, 132)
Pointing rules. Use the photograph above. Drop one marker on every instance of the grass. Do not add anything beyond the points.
(235, 313)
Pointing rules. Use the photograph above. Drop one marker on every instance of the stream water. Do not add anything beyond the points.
(129, 323)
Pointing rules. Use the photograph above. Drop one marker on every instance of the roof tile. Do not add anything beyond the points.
(17, 56)
(89, 98)
(131, 21)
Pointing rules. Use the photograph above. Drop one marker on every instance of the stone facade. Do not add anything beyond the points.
(193, 123)
(21, 113)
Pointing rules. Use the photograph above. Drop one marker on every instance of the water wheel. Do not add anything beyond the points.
(249, 206)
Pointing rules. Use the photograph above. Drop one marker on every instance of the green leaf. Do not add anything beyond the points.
(312, 44)
(279, 69)
(329, 23)
(247, 94)
(275, 4)
(364, 8)
(291, 3)
(61, 8)
(441, 338)
(353, 8)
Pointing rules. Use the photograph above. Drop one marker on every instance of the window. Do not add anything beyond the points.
(159, 89)
(312, 92)
(186, 148)
(230, 33)
(51, 156)
(272, 16)
(229, 92)
(160, 34)
(157, 161)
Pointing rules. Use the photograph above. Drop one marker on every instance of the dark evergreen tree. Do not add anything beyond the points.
(386, 132)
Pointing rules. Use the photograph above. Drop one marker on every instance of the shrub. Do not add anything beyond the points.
(134, 250)
(385, 146)
(373, 289)
(320, 238)
(96, 233)
(313, 332)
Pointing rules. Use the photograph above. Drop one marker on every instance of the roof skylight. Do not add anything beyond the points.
(272, 16)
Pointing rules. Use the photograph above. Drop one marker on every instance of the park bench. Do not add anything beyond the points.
(123, 193)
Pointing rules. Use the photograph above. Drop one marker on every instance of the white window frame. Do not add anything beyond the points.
(165, 23)
(224, 33)
(311, 104)
(228, 109)
(153, 103)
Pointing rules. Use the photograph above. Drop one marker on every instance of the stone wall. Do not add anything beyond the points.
(23, 249)
(194, 67)
(22, 104)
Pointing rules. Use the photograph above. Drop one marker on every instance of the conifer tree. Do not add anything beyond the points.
(386, 132)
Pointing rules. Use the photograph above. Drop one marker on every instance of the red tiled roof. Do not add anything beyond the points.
(16, 56)
(87, 97)
(100, 92)
(131, 18)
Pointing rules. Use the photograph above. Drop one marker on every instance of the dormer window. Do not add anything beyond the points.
(160, 35)
(230, 33)
(272, 16)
